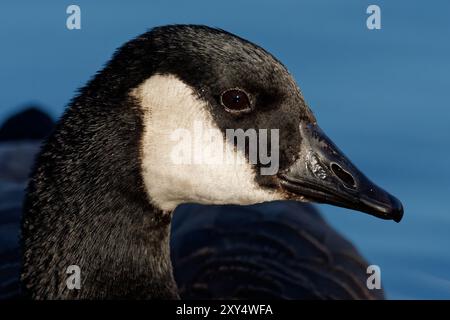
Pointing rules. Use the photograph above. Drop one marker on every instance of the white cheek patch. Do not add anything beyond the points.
(180, 166)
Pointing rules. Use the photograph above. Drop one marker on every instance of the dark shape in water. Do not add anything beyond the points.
(30, 124)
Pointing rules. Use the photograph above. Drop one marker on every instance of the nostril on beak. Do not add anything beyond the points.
(343, 175)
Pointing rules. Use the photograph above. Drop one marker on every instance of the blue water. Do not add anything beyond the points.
(383, 96)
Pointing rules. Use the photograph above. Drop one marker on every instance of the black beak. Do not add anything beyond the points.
(324, 174)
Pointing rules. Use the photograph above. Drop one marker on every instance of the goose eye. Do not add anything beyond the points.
(235, 101)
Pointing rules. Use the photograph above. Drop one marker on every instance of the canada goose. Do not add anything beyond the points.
(290, 253)
(271, 250)
(104, 185)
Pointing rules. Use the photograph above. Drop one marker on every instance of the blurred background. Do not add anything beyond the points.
(382, 95)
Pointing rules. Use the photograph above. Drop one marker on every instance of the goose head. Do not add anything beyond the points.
(225, 123)
(180, 114)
